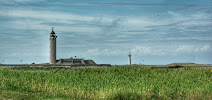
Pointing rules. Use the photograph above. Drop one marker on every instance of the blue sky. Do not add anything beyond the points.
(155, 31)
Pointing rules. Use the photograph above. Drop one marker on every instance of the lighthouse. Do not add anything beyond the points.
(52, 47)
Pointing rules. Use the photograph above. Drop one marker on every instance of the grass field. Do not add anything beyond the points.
(117, 82)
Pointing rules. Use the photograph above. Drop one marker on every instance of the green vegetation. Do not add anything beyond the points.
(117, 82)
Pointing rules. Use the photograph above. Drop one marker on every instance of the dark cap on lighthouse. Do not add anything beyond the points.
(52, 31)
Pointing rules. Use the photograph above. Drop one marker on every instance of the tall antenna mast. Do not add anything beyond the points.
(129, 58)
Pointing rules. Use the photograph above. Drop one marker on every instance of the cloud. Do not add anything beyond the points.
(110, 25)
(205, 48)
(185, 48)
(152, 50)
(47, 15)
(104, 52)
(148, 50)
(120, 4)
(114, 30)
(21, 1)
(181, 27)
(193, 49)
(193, 8)
(88, 3)
(34, 19)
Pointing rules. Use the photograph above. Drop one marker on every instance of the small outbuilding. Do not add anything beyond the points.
(75, 61)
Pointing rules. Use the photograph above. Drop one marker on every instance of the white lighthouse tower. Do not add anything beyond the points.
(52, 40)
(129, 58)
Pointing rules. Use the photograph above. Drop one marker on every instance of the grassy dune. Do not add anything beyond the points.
(106, 83)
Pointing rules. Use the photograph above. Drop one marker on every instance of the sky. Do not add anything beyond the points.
(156, 32)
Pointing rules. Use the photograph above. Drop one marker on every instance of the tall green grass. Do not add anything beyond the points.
(109, 83)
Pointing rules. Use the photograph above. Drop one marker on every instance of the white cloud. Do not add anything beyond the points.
(47, 15)
(34, 19)
(141, 50)
(152, 50)
(205, 48)
(193, 48)
(138, 50)
(194, 19)
(105, 52)
(21, 1)
(148, 50)
(185, 48)
(106, 24)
